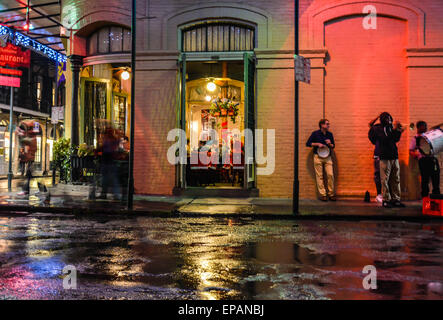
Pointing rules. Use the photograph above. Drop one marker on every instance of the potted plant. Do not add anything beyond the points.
(62, 153)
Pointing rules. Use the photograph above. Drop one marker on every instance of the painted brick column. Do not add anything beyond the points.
(76, 64)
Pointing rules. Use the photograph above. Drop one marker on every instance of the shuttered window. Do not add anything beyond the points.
(218, 37)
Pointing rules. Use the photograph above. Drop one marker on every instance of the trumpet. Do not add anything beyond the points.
(399, 126)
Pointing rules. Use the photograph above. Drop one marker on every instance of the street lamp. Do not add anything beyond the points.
(130, 191)
(125, 75)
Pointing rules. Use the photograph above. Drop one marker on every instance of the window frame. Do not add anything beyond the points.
(209, 24)
(96, 33)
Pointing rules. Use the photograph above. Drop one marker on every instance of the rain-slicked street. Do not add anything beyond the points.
(217, 258)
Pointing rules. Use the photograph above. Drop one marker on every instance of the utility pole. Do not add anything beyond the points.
(296, 185)
(130, 194)
(11, 112)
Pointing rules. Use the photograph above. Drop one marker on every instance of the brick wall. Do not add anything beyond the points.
(356, 74)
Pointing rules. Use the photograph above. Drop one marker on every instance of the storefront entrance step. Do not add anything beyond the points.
(214, 192)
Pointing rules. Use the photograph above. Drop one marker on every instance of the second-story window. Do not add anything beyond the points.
(112, 39)
(218, 36)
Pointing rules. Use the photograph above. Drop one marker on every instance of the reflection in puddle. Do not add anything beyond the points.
(208, 258)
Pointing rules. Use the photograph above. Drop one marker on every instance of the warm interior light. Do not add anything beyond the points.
(208, 98)
(125, 75)
(211, 86)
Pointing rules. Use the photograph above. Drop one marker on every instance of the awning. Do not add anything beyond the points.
(26, 111)
(37, 19)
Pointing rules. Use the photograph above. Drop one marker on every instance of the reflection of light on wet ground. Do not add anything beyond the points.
(208, 258)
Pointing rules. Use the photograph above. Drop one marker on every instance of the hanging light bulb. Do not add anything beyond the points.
(125, 75)
(208, 98)
(211, 86)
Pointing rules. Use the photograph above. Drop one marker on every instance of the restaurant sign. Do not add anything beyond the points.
(14, 57)
(10, 81)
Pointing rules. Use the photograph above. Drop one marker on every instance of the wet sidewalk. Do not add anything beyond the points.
(74, 200)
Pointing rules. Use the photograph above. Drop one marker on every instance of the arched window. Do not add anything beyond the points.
(112, 39)
(218, 36)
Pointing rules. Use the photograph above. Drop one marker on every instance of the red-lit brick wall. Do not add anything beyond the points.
(356, 74)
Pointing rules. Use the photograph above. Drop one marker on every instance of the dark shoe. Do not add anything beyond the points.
(325, 198)
(398, 204)
(387, 204)
(333, 198)
(102, 196)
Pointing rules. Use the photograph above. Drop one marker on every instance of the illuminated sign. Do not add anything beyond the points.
(14, 57)
(19, 39)
(10, 81)
(11, 72)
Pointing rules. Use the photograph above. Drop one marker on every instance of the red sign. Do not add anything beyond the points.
(11, 72)
(10, 81)
(14, 57)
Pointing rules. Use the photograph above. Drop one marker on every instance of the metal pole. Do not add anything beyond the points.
(130, 194)
(296, 186)
(54, 125)
(11, 111)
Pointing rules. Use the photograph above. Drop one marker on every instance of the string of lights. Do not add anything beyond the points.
(20, 39)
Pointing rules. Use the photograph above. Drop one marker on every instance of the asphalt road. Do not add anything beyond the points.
(216, 258)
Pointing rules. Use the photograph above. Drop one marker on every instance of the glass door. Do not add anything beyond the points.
(233, 82)
(249, 77)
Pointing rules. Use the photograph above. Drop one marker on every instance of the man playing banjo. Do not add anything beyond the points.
(323, 141)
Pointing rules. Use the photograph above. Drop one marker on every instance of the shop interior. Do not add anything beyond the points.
(214, 123)
(106, 96)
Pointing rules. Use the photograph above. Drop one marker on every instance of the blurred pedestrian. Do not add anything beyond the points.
(27, 133)
(22, 161)
(109, 152)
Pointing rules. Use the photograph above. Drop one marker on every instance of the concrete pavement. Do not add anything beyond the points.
(74, 200)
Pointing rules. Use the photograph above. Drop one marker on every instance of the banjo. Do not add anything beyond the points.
(324, 152)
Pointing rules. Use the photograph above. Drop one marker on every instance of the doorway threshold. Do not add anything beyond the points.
(221, 192)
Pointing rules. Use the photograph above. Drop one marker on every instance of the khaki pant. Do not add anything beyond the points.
(318, 166)
(390, 179)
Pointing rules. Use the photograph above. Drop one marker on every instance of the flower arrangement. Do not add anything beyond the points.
(224, 107)
(84, 150)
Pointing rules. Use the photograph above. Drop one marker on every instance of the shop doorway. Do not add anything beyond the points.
(217, 105)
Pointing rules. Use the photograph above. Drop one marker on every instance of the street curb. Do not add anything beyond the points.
(175, 213)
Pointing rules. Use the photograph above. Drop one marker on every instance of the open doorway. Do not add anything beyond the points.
(215, 111)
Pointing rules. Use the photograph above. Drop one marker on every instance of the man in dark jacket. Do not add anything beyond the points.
(386, 136)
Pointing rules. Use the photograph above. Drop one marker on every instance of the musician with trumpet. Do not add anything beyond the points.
(387, 134)
(323, 141)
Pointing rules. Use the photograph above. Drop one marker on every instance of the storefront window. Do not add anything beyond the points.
(109, 40)
(38, 153)
(218, 37)
(95, 108)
